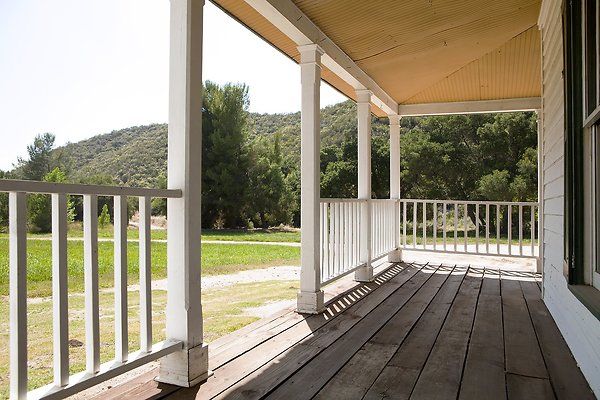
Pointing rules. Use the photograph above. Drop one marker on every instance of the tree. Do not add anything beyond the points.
(40, 205)
(269, 195)
(104, 217)
(40, 158)
(224, 155)
(4, 203)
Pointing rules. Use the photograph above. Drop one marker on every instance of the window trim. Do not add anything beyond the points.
(581, 115)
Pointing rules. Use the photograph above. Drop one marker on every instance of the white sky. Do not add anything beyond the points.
(78, 68)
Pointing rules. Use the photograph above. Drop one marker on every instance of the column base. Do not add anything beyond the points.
(364, 274)
(185, 368)
(395, 256)
(311, 302)
(540, 264)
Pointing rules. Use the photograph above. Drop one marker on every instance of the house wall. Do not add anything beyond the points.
(579, 327)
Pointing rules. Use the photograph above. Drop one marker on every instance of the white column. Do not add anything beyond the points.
(310, 298)
(363, 102)
(184, 308)
(540, 261)
(395, 256)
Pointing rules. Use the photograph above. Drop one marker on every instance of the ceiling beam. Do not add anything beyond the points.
(290, 20)
(471, 107)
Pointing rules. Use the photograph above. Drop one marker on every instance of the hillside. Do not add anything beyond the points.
(136, 156)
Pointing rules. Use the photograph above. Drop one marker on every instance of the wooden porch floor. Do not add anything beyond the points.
(416, 332)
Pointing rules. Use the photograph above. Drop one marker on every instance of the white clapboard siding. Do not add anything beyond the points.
(578, 326)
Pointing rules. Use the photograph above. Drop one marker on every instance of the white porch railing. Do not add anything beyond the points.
(340, 237)
(383, 227)
(65, 384)
(470, 227)
(341, 234)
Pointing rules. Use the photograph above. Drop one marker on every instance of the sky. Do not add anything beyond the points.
(79, 68)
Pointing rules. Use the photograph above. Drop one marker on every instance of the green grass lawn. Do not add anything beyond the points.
(223, 311)
(253, 235)
(217, 259)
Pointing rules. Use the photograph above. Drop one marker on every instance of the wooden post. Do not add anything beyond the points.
(363, 100)
(310, 298)
(184, 308)
(17, 290)
(396, 255)
(540, 226)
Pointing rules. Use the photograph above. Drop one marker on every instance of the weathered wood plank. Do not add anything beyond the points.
(566, 378)
(331, 324)
(357, 376)
(278, 370)
(143, 384)
(440, 378)
(396, 314)
(398, 377)
(522, 351)
(528, 388)
(232, 346)
(483, 376)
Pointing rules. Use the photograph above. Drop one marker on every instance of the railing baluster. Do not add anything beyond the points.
(424, 225)
(120, 266)
(466, 219)
(444, 230)
(477, 227)
(60, 290)
(338, 247)
(520, 229)
(498, 228)
(331, 239)
(455, 226)
(509, 229)
(347, 235)
(434, 226)
(533, 224)
(404, 203)
(92, 304)
(18, 294)
(487, 228)
(414, 224)
(325, 241)
(145, 274)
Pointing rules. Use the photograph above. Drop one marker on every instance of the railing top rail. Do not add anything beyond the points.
(13, 185)
(328, 200)
(385, 200)
(502, 203)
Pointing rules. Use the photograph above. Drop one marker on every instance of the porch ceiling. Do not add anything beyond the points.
(423, 51)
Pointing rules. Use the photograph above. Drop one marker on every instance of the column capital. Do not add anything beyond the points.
(310, 53)
(363, 95)
(394, 119)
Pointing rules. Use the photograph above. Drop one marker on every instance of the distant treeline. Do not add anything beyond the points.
(250, 175)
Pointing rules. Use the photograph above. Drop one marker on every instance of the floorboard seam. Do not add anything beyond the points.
(503, 335)
(537, 339)
(462, 374)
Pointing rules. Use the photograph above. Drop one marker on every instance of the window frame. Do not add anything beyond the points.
(581, 30)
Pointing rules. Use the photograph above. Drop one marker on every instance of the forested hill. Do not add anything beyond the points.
(250, 162)
(137, 156)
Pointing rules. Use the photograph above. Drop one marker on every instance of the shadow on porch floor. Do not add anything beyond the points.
(418, 331)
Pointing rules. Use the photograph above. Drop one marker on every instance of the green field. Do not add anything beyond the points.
(217, 259)
(246, 235)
